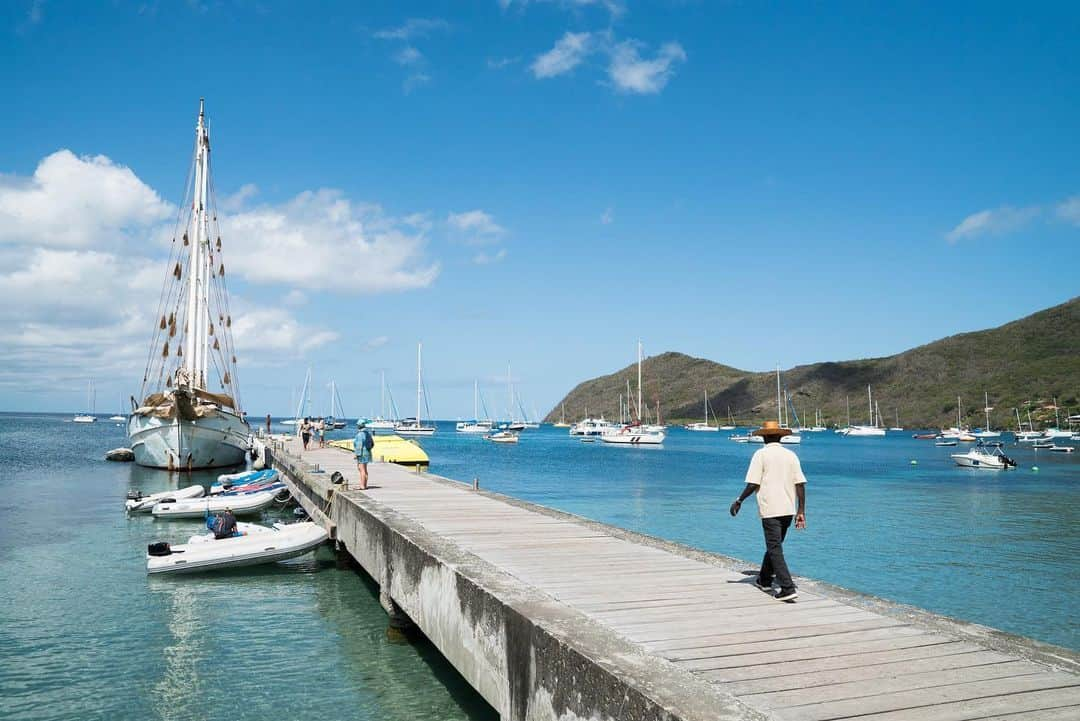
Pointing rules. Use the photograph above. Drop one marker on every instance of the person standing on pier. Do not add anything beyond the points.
(362, 445)
(775, 474)
(267, 425)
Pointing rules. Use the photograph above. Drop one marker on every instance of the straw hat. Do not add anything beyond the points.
(772, 429)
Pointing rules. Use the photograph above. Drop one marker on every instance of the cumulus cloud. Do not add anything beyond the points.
(82, 293)
(993, 222)
(77, 202)
(1069, 210)
(475, 221)
(569, 52)
(614, 7)
(631, 73)
(322, 240)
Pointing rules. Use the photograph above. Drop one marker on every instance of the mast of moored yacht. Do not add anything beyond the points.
(639, 412)
(476, 400)
(419, 383)
(986, 408)
(198, 271)
(779, 408)
(870, 401)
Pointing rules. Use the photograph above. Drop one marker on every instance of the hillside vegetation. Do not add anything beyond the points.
(1021, 364)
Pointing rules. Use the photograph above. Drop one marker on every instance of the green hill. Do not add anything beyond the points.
(1025, 363)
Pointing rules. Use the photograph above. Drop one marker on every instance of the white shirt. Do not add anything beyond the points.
(776, 471)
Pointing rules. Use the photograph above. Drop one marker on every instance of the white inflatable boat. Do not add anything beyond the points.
(243, 504)
(138, 503)
(258, 544)
(243, 481)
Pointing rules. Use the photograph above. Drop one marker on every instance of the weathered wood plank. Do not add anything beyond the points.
(1006, 690)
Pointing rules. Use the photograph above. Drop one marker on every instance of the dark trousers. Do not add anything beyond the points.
(774, 565)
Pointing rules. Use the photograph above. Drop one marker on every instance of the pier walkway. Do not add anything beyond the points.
(551, 616)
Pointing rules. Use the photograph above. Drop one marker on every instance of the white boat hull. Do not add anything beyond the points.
(414, 431)
(865, 432)
(146, 503)
(247, 504)
(633, 438)
(266, 545)
(84, 419)
(978, 460)
(217, 440)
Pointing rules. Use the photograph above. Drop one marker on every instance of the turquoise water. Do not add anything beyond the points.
(85, 634)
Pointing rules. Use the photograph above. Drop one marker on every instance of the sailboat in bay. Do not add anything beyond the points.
(414, 426)
(703, 426)
(476, 425)
(874, 430)
(782, 411)
(91, 398)
(382, 422)
(181, 424)
(562, 419)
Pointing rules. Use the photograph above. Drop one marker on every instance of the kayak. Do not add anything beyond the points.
(138, 503)
(256, 545)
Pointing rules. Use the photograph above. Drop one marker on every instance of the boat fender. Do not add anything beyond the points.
(159, 548)
(336, 478)
(283, 495)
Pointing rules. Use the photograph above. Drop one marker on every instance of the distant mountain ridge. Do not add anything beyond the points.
(1024, 363)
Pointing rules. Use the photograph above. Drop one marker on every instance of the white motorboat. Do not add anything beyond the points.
(793, 439)
(505, 436)
(256, 545)
(180, 423)
(634, 435)
(138, 503)
(982, 458)
(592, 427)
(247, 479)
(740, 437)
(244, 504)
(1061, 449)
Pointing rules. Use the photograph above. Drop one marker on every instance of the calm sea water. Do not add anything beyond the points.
(85, 634)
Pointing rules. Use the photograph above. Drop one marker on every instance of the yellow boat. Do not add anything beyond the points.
(390, 449)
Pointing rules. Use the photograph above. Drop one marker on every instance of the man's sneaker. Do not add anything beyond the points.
(762, 586)
(789, 595)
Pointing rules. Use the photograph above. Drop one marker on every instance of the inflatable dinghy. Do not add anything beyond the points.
(242, 504)
(138, 503)
(258, 544)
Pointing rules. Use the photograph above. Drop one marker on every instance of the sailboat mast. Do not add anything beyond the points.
(418, 383)
(986, 407)
(706, 406)
(639, 406)
(198, 271)
(509, 392)
(382, 396)
(476, 400)
(779, 407)
(870, 401)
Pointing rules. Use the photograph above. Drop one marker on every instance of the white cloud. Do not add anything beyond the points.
(1069, 210)
(78, 202)
(570, 50)
(993, 222)
(408, 55)
(500, 63)
(631, 73)
(614, 7)
(413, 28)
(476, 222)
(294, 298)
(489, 258)
(415, 81)
(239, 198)
(373, 343)
(608, 216)
(273, 330)
(322, 240)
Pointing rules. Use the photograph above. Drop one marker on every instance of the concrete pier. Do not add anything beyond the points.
(551, 616)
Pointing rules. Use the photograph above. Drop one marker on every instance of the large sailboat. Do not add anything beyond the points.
(382, 422)
(476, 425)
(703, 426)
(874, 430)
(181, 424)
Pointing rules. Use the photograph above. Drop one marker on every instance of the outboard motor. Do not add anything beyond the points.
(159, 548)
(1009, 463)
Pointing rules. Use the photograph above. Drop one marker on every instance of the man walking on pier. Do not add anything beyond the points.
(775, 474)
(362, 445)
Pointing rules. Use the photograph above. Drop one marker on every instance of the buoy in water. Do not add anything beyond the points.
(1035, 468)
(914, 462)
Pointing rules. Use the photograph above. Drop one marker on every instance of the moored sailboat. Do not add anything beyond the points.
(180, 423)
(414, 426)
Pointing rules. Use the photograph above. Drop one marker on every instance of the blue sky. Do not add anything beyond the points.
(534, 182)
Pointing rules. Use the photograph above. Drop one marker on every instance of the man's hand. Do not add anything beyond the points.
(735, 508)
(800, 521)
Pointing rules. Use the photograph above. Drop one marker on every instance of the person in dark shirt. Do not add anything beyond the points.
(225, 527)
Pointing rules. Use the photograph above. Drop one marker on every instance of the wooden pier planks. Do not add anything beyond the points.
(815, 660)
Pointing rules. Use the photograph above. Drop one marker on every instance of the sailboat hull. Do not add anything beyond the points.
(217, 440)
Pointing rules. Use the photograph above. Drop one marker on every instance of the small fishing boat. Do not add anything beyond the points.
(1043, 444)
(505, 436)
(255, 545)
(138, 503)
(1061, 449)
(946, 442)
(981, 458)
(243, 504)
(924, 436)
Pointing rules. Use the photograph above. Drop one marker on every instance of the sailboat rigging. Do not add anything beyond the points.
(181, 423)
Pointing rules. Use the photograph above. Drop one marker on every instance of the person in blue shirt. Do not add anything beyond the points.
(362, 446)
